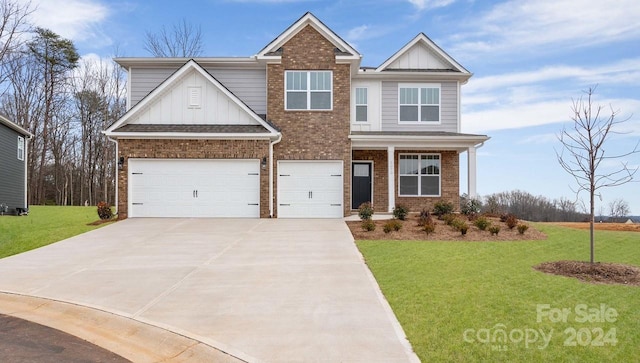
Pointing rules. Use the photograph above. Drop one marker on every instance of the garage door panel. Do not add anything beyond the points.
(194, 188)
(310, 189)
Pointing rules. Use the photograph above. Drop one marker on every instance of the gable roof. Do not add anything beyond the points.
(442, 60)
(8, 123)
(119, 128)
(344, 50)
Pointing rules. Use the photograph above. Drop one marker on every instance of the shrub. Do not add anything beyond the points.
(104, 211)
(368, 225)
(400, 212)
(429, 226)
(482, 223)
(365, 211)
(494, 230)
(441, 208)
(449, 218)
(511, 221)
(522, 228)
(463, 227)
(471, 206)
(392, 225)
(423, 217)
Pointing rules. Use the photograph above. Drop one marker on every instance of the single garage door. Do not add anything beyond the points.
(194, 188)
(310, 189)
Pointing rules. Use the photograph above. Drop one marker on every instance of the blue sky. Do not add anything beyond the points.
(529, 59)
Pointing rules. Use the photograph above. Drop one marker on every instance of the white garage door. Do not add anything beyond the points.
(310, 189)
(194, 188)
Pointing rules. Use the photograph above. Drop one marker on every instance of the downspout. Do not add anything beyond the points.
(117, 176)
(26, 170)
(271, 173)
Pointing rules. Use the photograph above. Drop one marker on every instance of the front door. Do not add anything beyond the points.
(361, 184)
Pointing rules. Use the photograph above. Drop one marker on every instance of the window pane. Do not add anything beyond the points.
(361, 113)
(361, 96)
(320, 81)
(408, 96)
(296, 100)
(408, 164)
(430, 96)
(361, 170)
(409, 185)
(320, 100)
(408, 113)
(430, 185)
(430, 113)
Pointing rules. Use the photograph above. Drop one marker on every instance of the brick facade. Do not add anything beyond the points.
(192, 149)
(311, 135)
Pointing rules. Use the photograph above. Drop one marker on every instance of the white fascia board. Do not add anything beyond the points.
(190, 135)
(413, 76)
(5, 121)
(429, 142)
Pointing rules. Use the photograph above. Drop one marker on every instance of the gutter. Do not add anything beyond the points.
(271, 173)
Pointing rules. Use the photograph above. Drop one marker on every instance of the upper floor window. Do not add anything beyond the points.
(419, 175)
(20, 148)
(308, 90)
(361, 104)
(419, 102)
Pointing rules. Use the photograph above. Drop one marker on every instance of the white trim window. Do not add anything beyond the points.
(308, 90)
(361, 104)
(20, 148)
(419, 102)
(419, 175)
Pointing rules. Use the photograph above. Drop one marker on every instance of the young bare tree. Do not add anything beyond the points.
(182, 40)
(583, 151)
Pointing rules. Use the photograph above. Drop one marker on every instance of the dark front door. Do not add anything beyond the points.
(360, 184)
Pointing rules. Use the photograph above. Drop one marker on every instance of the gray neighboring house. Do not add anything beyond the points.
(13, 167)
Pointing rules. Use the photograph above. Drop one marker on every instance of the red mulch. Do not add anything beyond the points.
(599, 273)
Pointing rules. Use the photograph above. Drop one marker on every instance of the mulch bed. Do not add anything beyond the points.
(100, 221)
(599, 273)
(412, 232)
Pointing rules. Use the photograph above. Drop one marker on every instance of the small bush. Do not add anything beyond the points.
(429, 226)
(365, 211)
(392, 225)
(503, 217)
(482, 223)
(511, 221)
(104, 211)
(400, 212)
(368, 225)
(442, 208)
(494, 230)
(522, 228)
(449, 218)
(471, 206)
(463, 228)
(423, 217)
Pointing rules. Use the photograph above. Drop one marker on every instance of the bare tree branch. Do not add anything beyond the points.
(182, 40)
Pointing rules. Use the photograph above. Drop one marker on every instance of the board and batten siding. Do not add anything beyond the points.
(448, 111)
(247, 84)
(12, 170)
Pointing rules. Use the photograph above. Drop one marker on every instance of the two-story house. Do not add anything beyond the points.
(13, 167)
(298, 130)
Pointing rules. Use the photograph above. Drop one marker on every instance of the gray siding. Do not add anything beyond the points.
(12, 170)
(448, 111)
(247, 84)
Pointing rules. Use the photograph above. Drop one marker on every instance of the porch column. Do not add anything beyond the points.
(391, 181)
(471, 172)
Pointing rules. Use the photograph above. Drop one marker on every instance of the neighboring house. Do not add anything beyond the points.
(13, 167)
(298, 130)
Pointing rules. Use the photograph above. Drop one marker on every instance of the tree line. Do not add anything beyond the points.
(65, 102)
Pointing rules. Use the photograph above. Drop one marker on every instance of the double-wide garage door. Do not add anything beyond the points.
(194, 188)
(310, 189)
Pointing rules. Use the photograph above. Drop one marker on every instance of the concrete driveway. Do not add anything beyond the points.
(259, 290)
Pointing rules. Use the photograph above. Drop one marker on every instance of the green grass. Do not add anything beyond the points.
(438, 290)
(44, 225)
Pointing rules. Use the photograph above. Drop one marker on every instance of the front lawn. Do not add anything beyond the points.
(44, 225)
(454, 299)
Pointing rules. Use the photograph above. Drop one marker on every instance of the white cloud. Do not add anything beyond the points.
(430, 4)
(77, 20)
(544, 24)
